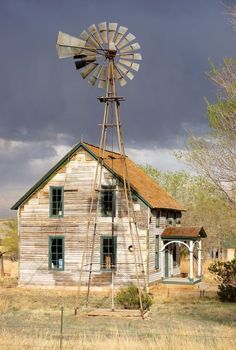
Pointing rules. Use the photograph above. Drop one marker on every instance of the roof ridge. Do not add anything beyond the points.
(106, 150)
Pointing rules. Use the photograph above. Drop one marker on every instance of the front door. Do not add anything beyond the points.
(167, 262)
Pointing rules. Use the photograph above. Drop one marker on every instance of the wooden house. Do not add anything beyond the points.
(53, 217)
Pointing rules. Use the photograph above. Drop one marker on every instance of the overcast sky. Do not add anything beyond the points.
(46, 107)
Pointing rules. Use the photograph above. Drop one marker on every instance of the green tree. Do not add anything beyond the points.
(205, 205)
(214, 155)
(10, 242)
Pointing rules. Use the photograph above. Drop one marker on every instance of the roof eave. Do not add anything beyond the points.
(46, 177)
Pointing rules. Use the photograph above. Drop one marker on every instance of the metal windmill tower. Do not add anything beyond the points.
(105, 55)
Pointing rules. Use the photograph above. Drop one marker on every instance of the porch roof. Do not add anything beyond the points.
(184, 232)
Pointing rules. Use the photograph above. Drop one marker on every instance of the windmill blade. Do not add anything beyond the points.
(102, 78)
(87, 38)
(103, 31)
(133, 65)
(130, 37)
(130, 48)
(67, 51)
(65, 39)
(133, 56)
(93, 30)
(120, 77)
(83, 60)
(111, 31)
(125, 71)
(84, 73)
(120, 33)
(92, 80)
(121, 68)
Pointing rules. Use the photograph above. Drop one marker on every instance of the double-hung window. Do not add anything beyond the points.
(56, 201)
(56, 253)
(108, 201)
(108, 252)
(157, 255)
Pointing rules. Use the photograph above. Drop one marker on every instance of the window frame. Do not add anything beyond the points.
(50, 238)
(158, 218)
(51, 215)
(113, 201)
(102, 268)
(157, 252)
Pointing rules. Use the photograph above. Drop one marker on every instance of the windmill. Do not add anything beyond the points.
(105, 55)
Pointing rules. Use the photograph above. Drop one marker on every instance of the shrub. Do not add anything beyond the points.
(128, 298)
(225, 272)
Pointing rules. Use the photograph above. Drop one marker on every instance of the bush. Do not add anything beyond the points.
(225, 272)
(128, 298)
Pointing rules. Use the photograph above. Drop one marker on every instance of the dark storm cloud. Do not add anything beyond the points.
(41, 96)
(45, 104)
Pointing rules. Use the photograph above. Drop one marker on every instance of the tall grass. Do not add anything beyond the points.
(30, 319)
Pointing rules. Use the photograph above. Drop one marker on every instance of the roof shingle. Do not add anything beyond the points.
(143, 184)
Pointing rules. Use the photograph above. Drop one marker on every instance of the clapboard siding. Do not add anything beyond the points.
(36, 226)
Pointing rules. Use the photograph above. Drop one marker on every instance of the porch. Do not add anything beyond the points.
(190, 238)
(181, 280)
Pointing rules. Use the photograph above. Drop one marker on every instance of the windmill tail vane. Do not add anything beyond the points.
(103, 55)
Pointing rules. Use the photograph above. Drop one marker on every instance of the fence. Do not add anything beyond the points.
(62, 336)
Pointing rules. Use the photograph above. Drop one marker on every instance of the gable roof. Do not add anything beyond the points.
(143, 185)
(183, 232)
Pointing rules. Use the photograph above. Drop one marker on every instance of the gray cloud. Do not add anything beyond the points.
(41, 95)
(44, 102)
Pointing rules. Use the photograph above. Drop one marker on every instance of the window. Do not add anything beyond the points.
(108, 201)
(108, 253)
(158, 218)
(157, 259)
(56, 253)
(56, 201)
(170, 218)
(178, 218)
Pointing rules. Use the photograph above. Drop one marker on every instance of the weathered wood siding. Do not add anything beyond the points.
(36, 226)
(155, 274)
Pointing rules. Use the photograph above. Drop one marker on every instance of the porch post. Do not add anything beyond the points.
(171, 263)
(162, 260)
(199, 259)
(191, 260)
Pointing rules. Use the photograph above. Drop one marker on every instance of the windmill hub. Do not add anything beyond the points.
(112, 50)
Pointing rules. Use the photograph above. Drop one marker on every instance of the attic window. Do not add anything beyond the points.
(56, 201)
(108, 201)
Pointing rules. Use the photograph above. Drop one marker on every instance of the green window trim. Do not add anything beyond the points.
(108, 253)
(56, 208)
(108, 201)
(157, 254)
(56, 259)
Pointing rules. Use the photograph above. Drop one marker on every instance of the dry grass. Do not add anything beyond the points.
(30, 319)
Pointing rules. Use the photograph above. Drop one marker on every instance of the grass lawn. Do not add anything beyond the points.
(30, 319)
